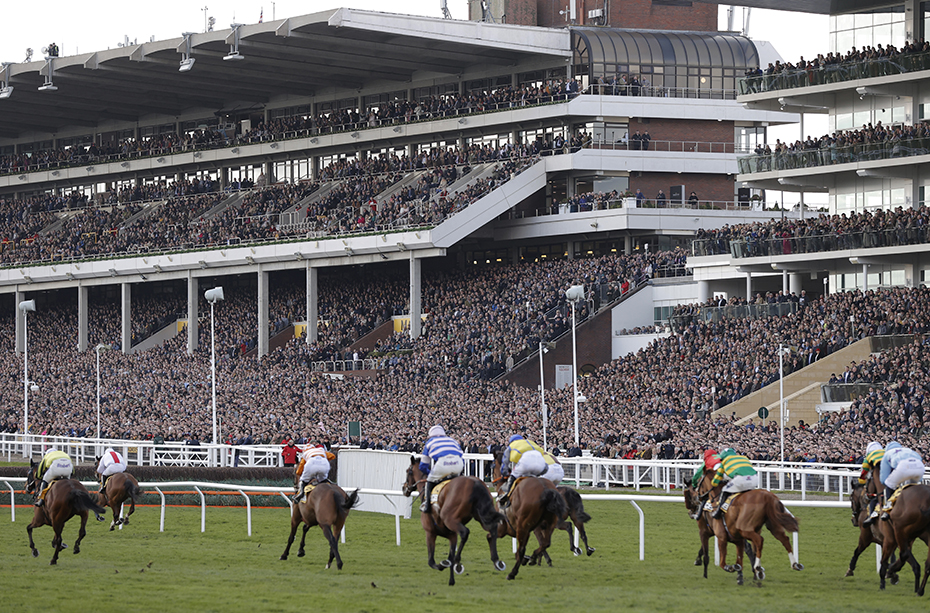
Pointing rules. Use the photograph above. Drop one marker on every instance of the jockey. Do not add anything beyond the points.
(711, 464)
(899, 466)
(873, 457)
(314, 467)
(738, 474)
(55, 465)
(520, 458)
(554, 472)
(441, 459)
(110, 463)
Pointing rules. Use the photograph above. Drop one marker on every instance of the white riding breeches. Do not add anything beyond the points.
(531, 464)
(911, 469)
(60, 468)
(317, 467)
(742, 483)
(446, 466)
(555, 473)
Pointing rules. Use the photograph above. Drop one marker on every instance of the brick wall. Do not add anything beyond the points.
(686, 130)
(644, 14)
(708, 187)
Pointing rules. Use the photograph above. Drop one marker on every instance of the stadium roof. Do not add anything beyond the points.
(339, 49)
(822, 7)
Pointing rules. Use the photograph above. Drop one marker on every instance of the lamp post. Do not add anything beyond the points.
(26, 306)
(213, 296)
(542, 393)
(100, 347)
(782, 352)
(574, 294)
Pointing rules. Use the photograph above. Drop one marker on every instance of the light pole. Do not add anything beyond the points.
(26, 306)
(542, 393)
(213, 296)
(782, 352)
(574, 294)
(100, 347)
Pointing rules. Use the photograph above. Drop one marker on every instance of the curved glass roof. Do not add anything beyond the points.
(639, 47)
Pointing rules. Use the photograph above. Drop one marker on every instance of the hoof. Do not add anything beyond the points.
(76, 551)
(301, 554)
(445, 563)
(35, 553)
(328, 564)
(459, 569)
(112, 527)
(100, 518)
(283, 558)
(591, 550)
(576, 551)
(53, 563)
(510, 577)
(499, 565)
(737, 568)
(849, 573)
(125, 521)
(338, 565)
(799, 566)
(739, 580)
(696, 562)
(759, 574)
(893, 579)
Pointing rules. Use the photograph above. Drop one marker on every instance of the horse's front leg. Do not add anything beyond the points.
(492, 545)
(523, 536)
(290, 539)
(56, 543)
(303, 540)
(431, 550)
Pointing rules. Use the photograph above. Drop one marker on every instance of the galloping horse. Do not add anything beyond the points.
(534, 503)
(694, 504)
(859, 500)
(460, 500)
(578, 518)
(909, 520)
(747, 514)
(65, 499)
(327, 506)
(120, 488)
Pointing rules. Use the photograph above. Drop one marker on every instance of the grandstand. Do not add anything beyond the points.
(395, 231)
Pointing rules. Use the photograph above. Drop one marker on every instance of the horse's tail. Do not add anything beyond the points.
(351, 500)
(482, 506)
(780, 515)
(82, 501)
(133, 489)
(554, 503)
(575, 504)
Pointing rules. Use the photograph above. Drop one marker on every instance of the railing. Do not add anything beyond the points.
(818, 243)
(835, 73)
(669, 146)
(707, 314)
(605, 89)
(346, 365)
(834, 154)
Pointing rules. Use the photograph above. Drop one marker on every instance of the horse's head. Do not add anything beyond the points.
(31, 478)
(692, 500)
(496, 466)
(858, 500)
(414, 475)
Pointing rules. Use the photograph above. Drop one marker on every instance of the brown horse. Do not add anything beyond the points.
(120, 488)
(534, 503)
(460, 500)
(908, 521)
(327, 506)
(65, 499)
(578, 516)
(747, 514)
(859, 500)
(694, 503)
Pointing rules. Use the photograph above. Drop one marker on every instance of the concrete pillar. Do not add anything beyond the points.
(794, 283)
(415, 280)
(313, 307)
(268, 171)
(784, 282)
(570, 249)
(865, 278)
(911, 23)
(126, 317)
(262, 312)
(82, 318)
(514, 255)
(749, 287)
(703, 291)
(193, 313)
(315, 168)
(20, 330)
(909, 271)
(627, 244)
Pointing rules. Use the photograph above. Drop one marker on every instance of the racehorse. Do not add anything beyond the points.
(327, 506)
(120, 488)
(859, 500)
(534, 503)
(909, 520)
(460, 500)
(747, 513)
(578, 516)
(65, 499)
(694, 504)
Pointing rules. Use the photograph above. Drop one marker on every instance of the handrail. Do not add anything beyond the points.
(832, 154)
(818, 243)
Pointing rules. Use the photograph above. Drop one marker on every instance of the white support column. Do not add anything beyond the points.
(126, 317)
(784, 282)
(703, 291)
(20, 338)
(415, 307)
(82, 318)
(262, 312)
(794, 283)
(193, 314)
(313, 307)
(749, 287)
(627, 245)
(865, 278)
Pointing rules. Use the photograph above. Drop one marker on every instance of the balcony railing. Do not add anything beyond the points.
(831, 155)
(870, 239)
(709, 314)
(835, 73)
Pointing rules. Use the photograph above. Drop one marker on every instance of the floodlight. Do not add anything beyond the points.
(233, 57)
(574, 293)
(48, 87)
(186, 64)
(27, 306)
(6, 91)
(214, 295)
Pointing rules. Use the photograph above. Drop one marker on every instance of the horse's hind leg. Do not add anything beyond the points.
(333, 546)
(584, 537)
(32, 545)
(564, 525)
(523, 535)
(855, 557)
(56, 543)
(81, 533)
(492, 545)
(303, 541)
(540, 551)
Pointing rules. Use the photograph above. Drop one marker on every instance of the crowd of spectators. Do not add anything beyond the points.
(853, 230)
(399, 111)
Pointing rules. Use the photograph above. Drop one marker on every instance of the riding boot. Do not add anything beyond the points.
(723, 499)
(426, 505)
(40, 494)
(503, 499)
(873, 513)
(300, 492)
(887, 506)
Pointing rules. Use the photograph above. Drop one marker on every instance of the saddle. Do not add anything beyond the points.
(894, 497)
(708, 506)
(434, 495)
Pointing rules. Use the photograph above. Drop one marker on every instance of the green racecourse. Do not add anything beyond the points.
(223, 569)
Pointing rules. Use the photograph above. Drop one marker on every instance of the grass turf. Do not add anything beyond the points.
(223, 569)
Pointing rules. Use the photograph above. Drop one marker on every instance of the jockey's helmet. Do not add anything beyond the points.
(436, 430)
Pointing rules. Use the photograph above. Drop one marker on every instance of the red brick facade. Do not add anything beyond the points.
(718, 188)
(641, 14)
